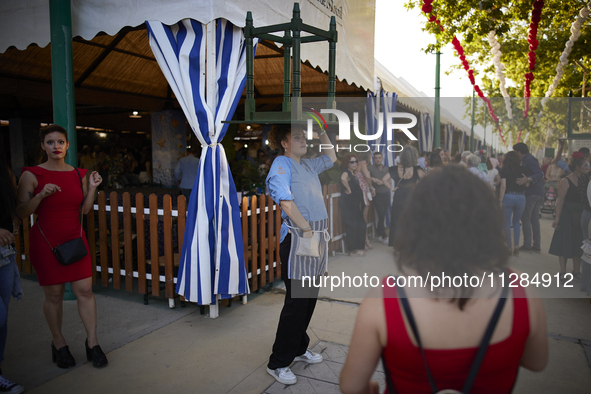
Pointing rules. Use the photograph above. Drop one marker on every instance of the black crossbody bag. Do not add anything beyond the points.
(479, 355)
(74, 250)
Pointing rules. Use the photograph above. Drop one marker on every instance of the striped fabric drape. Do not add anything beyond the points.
(461, 141)
(382, 104)
(212, 259)
(426, 133)
(449, 137)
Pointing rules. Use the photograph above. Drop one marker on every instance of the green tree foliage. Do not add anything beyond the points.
(472, 20)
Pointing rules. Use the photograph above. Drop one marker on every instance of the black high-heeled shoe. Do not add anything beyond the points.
(62, 357)
(96, 355)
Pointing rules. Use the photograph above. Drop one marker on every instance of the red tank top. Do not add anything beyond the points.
(450, 367)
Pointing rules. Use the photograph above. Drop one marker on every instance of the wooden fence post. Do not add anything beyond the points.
(168, 252)
(103, 246)
(141, 242)
(128, 241)
(154, 252)
(115, 256)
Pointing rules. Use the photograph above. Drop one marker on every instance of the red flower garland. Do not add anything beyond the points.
(427, 8)
(536, 16)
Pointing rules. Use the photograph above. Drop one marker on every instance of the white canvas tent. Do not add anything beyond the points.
(24, 22)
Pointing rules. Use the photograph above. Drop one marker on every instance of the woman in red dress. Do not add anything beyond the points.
(56, 192)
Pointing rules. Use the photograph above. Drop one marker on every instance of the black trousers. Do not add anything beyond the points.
(381, 202)
(291, 339)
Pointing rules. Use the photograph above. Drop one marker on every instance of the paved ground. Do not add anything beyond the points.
(154, 349)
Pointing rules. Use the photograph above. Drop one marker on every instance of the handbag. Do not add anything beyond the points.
(477, 360)
(71, 251)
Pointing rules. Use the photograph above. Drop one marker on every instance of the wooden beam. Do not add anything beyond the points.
(106, 51)
(41, 90)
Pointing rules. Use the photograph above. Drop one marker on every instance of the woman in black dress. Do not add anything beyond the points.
(405, 176)
(568, 235)
(352, 205)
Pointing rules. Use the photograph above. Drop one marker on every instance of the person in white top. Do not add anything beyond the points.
(472, 162)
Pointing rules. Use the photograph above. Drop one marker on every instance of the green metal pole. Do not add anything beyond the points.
(472, 129)
(569, 128)
(436, 121)
(249, 102)
(485, 147)
(62, 83)
(62, 73)
(286, 106)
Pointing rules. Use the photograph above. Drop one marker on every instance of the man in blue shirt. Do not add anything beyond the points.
(534, 196)
(186, 171)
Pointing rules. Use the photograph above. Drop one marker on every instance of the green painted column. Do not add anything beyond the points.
(485, 148)
(62, 73)
(472, 128)
(436, 117)
(62, 82)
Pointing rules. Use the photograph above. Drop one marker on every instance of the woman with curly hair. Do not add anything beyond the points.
(405, 176)
(352, 206)
(428, 341)
(568, 235)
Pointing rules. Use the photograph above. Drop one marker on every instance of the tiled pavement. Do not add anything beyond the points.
(322, 377)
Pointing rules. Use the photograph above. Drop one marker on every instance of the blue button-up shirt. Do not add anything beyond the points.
(289, 180)
(531, 168)
(186, 171)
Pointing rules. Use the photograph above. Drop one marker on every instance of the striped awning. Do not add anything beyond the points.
(212, 259)
(426, 133)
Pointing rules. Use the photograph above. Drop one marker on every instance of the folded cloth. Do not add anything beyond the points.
(586, 251)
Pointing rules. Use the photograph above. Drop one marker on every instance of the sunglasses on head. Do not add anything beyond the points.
(353, 162)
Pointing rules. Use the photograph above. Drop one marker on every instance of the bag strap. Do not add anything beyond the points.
(82, 188)
(485, 341)
(481, 350)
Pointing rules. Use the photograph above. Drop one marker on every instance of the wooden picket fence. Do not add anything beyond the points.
(125, 234)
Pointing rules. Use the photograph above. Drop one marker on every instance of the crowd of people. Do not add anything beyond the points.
(121, 166)
(516, 178)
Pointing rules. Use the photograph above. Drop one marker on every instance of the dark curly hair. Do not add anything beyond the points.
(435, 160)
(511, 161)
(464, 232)
(346, 159)
(278, 133)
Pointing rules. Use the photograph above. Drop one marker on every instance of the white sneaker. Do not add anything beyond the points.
(386, 241)
(309, 357)
(8, 386)
(283, 375)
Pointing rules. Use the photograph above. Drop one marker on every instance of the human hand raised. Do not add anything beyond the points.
(6, 237)
(521, 181)
(49, 189)
(95, 179)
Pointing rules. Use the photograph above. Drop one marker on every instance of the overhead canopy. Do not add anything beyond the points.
(25, 22)
(412, 98)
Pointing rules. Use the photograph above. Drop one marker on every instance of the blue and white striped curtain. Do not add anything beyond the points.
(373, 109)
(384, 104)
(426, 133)
(461, 141)
(212, 257)
(449, 137)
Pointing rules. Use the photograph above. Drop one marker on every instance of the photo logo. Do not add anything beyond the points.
(345, 124)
